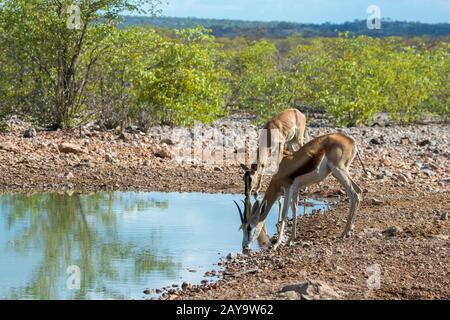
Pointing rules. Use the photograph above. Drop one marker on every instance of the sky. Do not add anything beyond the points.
(309, 11)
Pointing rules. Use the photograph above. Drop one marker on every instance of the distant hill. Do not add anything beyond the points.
(255, 29)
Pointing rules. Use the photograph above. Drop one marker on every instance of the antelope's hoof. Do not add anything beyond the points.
(276, 246)
(346, 235)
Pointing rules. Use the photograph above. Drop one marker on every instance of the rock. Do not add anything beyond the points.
(376, 202)
(70, 148)
(424, 143)
(387, 162)
(69, 176)
(372, 232)
(380, 176)
(231, 256)
(441, 237)
(313, 290)
(86, 163)
(444, 216)
(169, 142)
(393, 231)
(405, 141)
(289, 295)
(185, 285)
(148, 291)
(30, 133)
(125, 137)
(306, 244)
(376, 142)
(428, 172)
(9, 147)
(109, 158)
(163, 153)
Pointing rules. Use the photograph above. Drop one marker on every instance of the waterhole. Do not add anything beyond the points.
(113, 245)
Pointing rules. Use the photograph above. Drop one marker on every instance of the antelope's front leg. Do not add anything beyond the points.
(294, 205)
(280, 215)
(283, 220)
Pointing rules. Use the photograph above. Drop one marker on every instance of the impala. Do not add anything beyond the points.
(285, 130)
(313, 163)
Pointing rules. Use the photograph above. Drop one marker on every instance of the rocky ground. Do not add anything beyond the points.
(402, 231)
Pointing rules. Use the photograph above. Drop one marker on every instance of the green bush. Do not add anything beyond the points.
(258, 82)
(62, 77)
(113, 97)
(184, 83)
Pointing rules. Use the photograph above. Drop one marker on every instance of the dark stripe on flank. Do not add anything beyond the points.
(310, 165)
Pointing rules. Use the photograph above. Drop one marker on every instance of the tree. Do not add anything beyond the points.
(411, 80)
(342, 76)
(258, 83)
(113, 97)
(45, 42)
(184, 83)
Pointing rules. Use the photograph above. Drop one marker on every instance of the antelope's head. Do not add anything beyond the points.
(250, 221)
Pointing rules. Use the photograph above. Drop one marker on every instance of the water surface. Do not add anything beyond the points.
(122, 243)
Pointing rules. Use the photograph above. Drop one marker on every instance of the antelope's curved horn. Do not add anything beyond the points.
(240, 211)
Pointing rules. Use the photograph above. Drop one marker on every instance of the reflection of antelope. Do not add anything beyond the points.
(329, 154)
(285, 130)
(263, 238)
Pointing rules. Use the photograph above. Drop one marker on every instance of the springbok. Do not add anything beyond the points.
(313, 163)
(263, 238)
(286, 129)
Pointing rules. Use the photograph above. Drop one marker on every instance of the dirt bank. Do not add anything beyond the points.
(409, 189)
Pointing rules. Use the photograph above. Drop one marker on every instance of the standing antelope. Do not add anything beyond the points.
(286, 129)
(313, 163)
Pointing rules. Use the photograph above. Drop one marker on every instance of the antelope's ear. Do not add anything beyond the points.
(265, 205)
(256, 206)
(245, 168)
(263, 208)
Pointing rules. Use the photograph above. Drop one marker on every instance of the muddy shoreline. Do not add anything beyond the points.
(402, 228)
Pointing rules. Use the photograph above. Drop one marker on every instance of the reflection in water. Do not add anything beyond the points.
(122, 242)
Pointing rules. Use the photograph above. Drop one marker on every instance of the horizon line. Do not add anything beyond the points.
(387, 19)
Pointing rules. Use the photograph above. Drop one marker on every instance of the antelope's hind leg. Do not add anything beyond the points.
(352, 189)
(294, 205)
